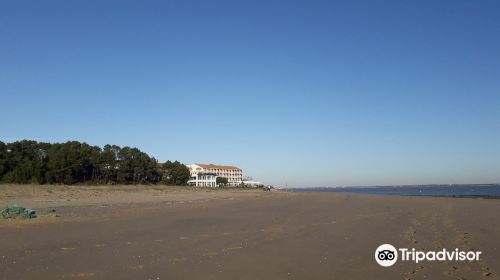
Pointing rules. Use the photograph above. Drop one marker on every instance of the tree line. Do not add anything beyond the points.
(74, 162)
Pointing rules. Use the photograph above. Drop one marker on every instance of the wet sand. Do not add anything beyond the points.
(155, 234)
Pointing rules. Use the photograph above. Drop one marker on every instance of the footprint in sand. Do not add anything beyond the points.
(178, 260)
(210, 254)
(413, 273)
(232, 248)
(83, 274)
(486, 271)
(68, 248)
(136, 267)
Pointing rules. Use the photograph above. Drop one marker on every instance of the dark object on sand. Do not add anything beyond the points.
(14, 211)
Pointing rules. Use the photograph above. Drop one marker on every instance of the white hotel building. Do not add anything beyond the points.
(205, 175)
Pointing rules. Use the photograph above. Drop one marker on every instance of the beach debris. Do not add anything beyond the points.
(14, 212)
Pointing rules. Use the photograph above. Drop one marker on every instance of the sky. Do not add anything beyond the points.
(296, 93)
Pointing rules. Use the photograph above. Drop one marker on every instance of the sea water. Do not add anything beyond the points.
(485, 191)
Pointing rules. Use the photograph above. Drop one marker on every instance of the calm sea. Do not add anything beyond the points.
(485, 191)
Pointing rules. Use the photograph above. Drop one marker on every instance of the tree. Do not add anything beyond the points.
(108, 163)
(75, 162)
(221, 181)
(22, 162)
(135, 166)
(175, 173)
(3, 159)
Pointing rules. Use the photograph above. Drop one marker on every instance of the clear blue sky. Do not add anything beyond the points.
(308, 93)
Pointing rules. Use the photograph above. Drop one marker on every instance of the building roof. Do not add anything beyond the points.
(218, 166)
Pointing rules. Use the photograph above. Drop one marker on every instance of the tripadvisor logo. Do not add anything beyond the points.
(387, 255)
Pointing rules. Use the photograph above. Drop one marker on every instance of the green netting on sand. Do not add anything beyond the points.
(14, 211)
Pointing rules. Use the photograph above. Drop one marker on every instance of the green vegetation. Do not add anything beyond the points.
(221, 181)
(74, 162)
(175, 173)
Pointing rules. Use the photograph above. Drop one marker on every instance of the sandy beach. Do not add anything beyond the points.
(181, 233)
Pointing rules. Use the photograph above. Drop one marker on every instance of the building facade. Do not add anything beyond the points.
(203, 180)
(232, 173)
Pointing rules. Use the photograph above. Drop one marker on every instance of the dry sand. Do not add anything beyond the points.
(152, 233)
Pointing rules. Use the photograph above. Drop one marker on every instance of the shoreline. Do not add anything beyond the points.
(491, 191)
(404, 195)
